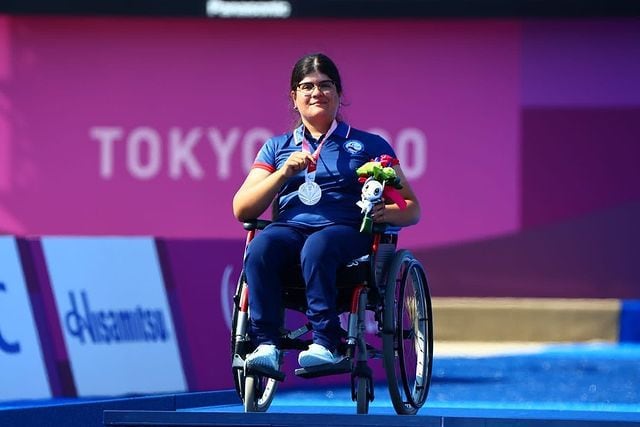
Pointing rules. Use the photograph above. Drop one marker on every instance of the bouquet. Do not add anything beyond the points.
(380, 182)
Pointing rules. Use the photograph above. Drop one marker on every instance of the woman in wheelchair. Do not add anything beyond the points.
(311, 173)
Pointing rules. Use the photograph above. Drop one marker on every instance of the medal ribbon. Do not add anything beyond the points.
(310, 173)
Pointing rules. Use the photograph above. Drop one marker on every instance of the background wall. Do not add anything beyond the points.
(132, 126)
(149, 126)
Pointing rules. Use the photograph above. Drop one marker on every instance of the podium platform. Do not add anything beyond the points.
(434, 417)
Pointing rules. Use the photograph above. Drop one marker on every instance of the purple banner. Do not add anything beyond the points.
(147, 127)
(582, 63)
(201, 277)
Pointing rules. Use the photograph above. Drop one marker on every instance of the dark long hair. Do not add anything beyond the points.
(315, 62)
(311, 63)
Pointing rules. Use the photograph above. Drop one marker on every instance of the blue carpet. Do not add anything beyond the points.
(583, 381)
(578, 377)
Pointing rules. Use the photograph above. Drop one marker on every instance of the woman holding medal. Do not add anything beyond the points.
(311, 172)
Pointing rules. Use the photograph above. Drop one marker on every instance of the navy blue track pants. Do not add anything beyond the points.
(320, 252)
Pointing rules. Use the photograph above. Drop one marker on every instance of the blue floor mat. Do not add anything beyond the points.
(582, 377)
(598, 377)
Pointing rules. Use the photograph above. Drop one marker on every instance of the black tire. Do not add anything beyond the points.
(407, 333)
(255, 391)
(362, 394)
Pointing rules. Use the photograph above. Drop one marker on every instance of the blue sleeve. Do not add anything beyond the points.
(380, 146)
(266, 157)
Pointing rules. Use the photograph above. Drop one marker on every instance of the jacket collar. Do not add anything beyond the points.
(342, 130)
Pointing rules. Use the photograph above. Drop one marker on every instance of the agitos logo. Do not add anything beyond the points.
(8, 347)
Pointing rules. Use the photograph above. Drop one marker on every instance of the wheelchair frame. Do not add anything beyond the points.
(393, 285)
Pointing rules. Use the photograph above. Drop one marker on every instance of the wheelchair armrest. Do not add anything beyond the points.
(260, 224)
(255, 224)
(384, 228)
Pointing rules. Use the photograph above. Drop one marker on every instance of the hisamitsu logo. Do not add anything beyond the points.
(6, 346)
(114, 326)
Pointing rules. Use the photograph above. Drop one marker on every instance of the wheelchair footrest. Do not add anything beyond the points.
(342, 367)
(265, 372)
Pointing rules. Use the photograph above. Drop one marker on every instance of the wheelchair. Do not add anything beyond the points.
(389, 283)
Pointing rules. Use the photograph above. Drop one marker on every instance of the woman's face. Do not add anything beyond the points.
(316, 99)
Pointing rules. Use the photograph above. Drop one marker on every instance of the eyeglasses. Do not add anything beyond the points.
(325, 86)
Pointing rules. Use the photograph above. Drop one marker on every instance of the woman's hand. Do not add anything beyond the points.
(378, 212)
(391, 213)
(296, 162)
(260, 186)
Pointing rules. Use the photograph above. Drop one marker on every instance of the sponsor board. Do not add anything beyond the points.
(23, 372)
(114, 314)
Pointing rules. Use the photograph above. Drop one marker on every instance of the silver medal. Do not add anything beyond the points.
(309, 193)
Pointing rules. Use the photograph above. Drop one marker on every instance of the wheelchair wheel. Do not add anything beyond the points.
(407, 333)
(361, 375)
(258, 393)
(255, 391)
(362, 395)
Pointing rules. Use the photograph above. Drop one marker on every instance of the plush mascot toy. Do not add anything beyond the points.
(380, 183)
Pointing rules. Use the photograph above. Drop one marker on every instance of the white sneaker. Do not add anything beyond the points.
(317, 355)
(265, 355)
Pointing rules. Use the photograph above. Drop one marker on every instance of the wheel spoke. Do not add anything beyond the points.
(408, 334)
